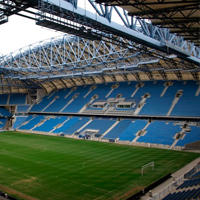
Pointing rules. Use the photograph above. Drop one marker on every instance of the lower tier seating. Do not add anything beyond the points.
(2, 123)
(189, 189)
(141, 131)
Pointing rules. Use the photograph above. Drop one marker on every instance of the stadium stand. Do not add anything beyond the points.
(49, 124)
(189, 189)
(159, 132)
(32, 121)
(149, 97)
(71, 125)
(19, 121)
(115, 132)
(189, 194)
(190, 137)
(3, 99)
(13, 99)
(131, 131)
(17, 99)
(22, 108)
(2, 123)
(4, 112)
(98, 126)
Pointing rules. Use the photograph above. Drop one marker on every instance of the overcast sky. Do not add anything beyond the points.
(19, 32)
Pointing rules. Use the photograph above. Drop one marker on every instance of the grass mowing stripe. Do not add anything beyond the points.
(78, 169)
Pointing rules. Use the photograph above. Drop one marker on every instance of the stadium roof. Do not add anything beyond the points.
(69, 61)
(72, 61)
(180, 16)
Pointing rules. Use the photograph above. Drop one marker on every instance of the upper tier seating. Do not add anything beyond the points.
(17, 99)
(4, 112)
(22, 108)
(13, 99)
(159, 98)
(188, 105)
(3, 99)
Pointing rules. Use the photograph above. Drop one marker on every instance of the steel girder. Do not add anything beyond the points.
(53, 13)
(70, 56)
(177, 15)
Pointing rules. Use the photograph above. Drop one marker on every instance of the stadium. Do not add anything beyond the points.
(110, 109)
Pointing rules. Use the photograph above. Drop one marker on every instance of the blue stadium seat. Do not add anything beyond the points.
(2, 122)
(17, 99)
(100, 124)
(32, 122)
(18, 121)
(130, 132)
(22, 108)
(60, 101)
(68, 124)
(188, 105)
(118, 129)
(3, 99)
(190, 137)
(158, 132)
(49, 124)
(4, 113)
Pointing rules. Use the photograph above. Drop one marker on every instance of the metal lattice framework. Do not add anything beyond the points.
(180, 16)
(71, 56)
(105, 51)
(67, 16)
(70, 61)
(59, 15)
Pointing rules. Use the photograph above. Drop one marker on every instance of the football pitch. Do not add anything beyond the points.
(39, 167)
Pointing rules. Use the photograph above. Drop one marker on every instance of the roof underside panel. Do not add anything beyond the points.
(180, 16)
(70, 61)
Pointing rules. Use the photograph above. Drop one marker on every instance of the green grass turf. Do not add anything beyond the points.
(56, 168)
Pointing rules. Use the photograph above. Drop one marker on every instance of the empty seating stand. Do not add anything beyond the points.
(157, 103)
(118, 129)
(4, 113)
(3, 99)
(18, 121)
(184, 195)
(68, 126)
(32, 122)
(2, 123)
(17, 99)
(101, 125)
(49, 124)
(192, 136)
(130, 132)
(22, 108)
(190, 183)
(160, 132)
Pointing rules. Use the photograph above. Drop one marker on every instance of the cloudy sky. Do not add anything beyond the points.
(19, 32)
